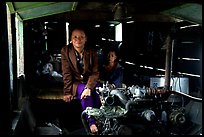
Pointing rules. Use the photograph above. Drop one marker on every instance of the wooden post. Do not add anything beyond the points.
(168, 62)
(5, 104)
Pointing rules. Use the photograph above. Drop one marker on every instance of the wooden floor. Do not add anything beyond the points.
(46, 108)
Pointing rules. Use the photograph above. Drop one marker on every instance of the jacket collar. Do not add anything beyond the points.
(72, 56)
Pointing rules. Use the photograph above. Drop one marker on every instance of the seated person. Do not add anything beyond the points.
(111, 70)
(80, 73)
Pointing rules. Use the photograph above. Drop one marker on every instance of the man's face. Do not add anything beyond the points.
(78, 38)
(112, 56)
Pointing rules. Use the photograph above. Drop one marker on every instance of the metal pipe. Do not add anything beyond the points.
(110, 100)
(120, 95)
(130, 102)
(186, 95)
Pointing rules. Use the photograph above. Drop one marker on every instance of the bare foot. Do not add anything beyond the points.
(93, 129)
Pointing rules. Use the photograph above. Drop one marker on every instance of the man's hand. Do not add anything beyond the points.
(68, 98)
(86, 93)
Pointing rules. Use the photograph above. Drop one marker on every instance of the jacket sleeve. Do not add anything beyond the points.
(66, 72)
(94, 77)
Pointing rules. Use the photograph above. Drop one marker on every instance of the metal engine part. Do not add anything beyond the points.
(124, 111)
(177, 117)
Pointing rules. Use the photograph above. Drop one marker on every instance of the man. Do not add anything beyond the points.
(80, 73)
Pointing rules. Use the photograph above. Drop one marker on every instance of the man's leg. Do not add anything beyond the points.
(88, 102)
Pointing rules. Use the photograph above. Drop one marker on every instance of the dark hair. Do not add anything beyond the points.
(78, 26)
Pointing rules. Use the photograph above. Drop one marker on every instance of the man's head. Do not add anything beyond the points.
(78, 38)
(111, 54)
(111, 57)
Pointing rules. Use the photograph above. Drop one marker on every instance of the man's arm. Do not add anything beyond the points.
(66, 72)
